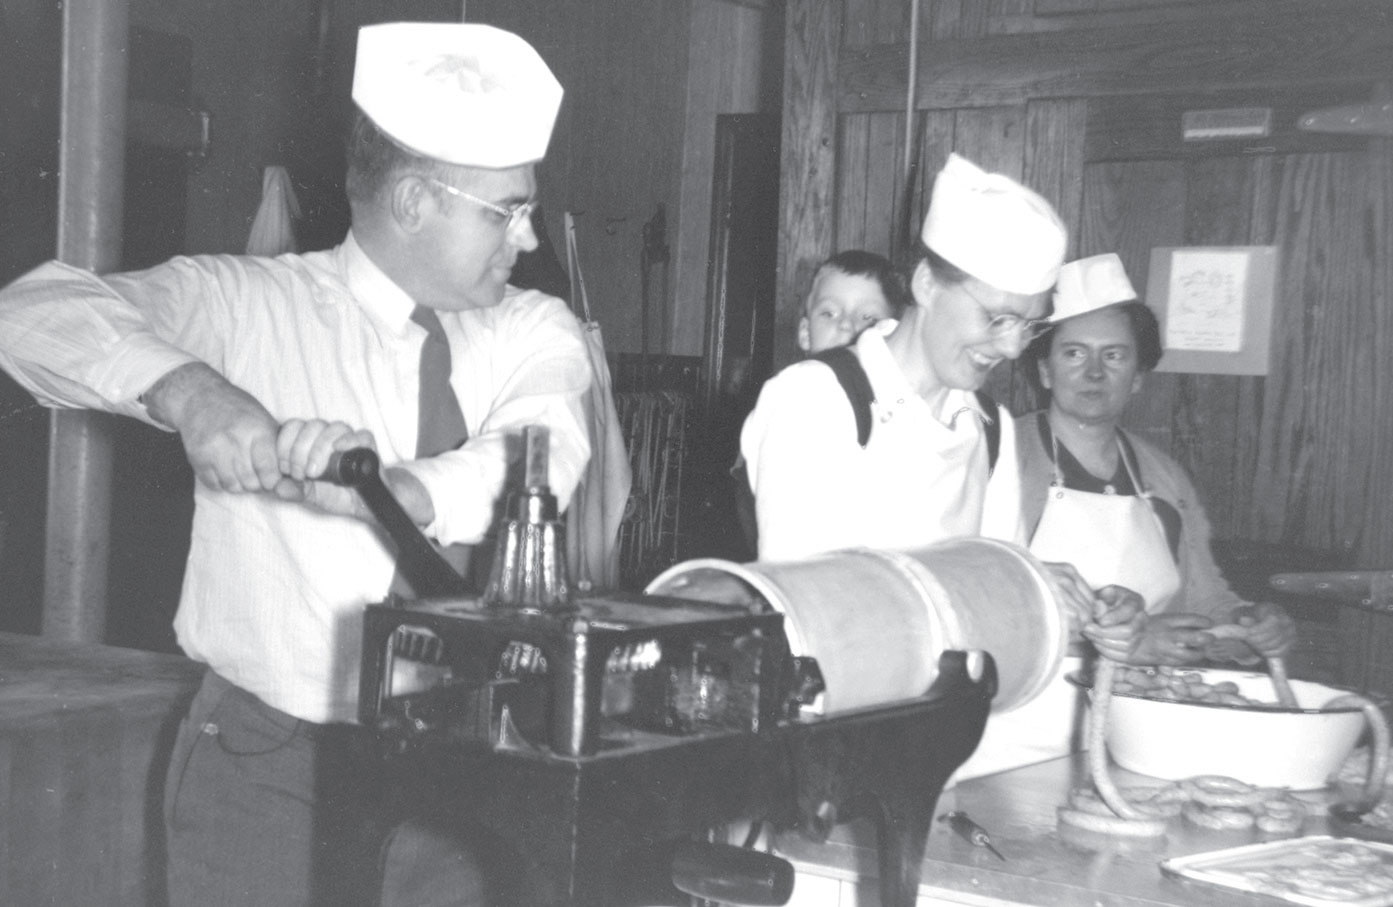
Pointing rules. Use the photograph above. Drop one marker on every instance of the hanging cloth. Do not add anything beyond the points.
(597, 508)
(273, 228)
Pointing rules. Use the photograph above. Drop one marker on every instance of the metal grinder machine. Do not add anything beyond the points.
(599, 739)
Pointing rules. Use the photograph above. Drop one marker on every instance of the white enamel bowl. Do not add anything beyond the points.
(1300, 749)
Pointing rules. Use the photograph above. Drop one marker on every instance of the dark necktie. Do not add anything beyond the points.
(441, 425)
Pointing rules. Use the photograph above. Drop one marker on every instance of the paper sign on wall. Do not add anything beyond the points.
(1215, 307)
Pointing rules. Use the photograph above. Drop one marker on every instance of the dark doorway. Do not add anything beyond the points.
(739, 348)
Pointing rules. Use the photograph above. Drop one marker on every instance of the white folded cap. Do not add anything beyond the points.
(1091, 283)
(460, 93)
(994, 228)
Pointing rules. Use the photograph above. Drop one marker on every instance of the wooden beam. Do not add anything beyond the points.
(1289, 44)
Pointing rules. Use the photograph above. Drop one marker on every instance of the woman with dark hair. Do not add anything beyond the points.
(1110, 503)
(1116, 507)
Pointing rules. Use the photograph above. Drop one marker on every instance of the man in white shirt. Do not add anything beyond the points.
(265, 367)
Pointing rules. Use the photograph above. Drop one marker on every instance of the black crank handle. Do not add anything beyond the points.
(431, 576)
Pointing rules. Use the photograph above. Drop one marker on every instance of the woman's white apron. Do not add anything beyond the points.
(1110, 539)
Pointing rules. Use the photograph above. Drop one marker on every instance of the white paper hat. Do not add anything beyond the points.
(1091, 283)
(460, 93)
(994, 228)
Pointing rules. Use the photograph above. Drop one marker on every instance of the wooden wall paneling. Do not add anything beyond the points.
(1207, 417)
(1056, 7)
(934, 142)
(1291, 478)
(1279, 468)
(942, 19)
(994, 139)
(1346, 451)
(1129, 208)
(1052, 166)
(858, 22)
(884, 180)
(1010, 16)
(1357, 472)
(808, 174)
(1055, 132)
(972, 20)
(891, 20)
(1360, 631)
(869, 22)
(1377, 542)
(1261, 203)
(1326, 380)
(853, 170)
(1212, 46)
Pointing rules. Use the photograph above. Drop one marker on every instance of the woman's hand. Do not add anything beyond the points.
(1073, 595)
(1172, 639)
(1119, 618)
(1265, 628)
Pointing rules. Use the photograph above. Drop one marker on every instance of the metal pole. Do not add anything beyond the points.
(92, 153)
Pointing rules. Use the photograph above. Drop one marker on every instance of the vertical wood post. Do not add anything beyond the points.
(92, 146)
(808, 170)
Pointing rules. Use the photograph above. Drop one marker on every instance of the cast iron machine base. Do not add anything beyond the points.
(593, 742)
(598, 825)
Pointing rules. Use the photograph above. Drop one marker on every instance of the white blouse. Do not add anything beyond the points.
(921, 478)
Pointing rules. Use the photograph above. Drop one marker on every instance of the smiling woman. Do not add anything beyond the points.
(992, 249)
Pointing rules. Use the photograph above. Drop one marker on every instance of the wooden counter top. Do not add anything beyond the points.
(1043, 866)
(85, 735)
(41, 677)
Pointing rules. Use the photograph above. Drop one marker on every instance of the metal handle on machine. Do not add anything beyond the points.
(731, 875)
(430, 574)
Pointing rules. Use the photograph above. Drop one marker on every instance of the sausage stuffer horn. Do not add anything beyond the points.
(529, 569)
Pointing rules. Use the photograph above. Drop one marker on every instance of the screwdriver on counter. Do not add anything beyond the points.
(970, 831)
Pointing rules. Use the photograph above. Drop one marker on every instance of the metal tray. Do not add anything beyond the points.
(1357, 873)
(1344, 871)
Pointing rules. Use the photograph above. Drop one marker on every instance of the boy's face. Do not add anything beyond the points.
(840, 306)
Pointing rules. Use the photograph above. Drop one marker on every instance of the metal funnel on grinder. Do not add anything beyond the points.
(529, 564)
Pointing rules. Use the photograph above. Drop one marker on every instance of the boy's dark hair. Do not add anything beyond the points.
(860, 263)
(1146, 333)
